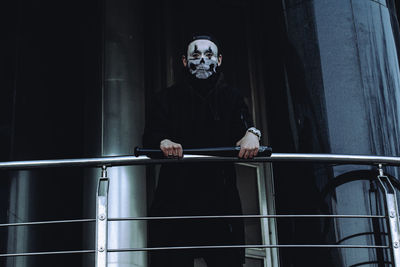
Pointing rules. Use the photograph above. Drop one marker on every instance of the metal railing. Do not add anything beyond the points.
(101, 251)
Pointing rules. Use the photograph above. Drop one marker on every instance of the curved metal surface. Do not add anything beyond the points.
(342, 75)
(122, 124)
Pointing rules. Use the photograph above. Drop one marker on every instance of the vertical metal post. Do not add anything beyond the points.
(101, 219)
(392, 213)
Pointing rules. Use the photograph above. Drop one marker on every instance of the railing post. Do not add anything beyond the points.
(101, 219)
(392, 213)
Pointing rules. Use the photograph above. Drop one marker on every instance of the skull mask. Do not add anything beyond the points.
(202, 58)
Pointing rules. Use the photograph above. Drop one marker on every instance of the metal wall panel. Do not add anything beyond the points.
(343, 79)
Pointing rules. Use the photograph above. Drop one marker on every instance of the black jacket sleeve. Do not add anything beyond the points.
(156, 126)
(241, 118)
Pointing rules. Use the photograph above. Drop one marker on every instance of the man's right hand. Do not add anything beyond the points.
(171, 149)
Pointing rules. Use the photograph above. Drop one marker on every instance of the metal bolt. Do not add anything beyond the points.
(392, 214)
(102, 217)
(396, 244)
(101, 249)
(380, 169)
(104, 171)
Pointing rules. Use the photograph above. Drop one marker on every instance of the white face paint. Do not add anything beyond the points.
(202, 58)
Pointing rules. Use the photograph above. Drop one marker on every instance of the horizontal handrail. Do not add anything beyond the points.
(244, 246)
(47, 222)
(198, 217)
(143, 160)
(186, 248)
(48, 253)
(246, 217)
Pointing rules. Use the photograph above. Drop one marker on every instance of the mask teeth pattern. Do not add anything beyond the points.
(202, 70)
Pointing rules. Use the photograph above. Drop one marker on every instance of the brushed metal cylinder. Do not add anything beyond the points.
(122, 126)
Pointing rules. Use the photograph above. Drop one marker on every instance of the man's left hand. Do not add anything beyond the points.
(249, 145)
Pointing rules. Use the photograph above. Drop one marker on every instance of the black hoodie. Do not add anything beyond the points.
(197, 114)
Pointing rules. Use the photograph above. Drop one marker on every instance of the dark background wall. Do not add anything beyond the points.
(52, 56)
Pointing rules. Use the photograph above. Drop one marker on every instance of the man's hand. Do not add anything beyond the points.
(249, 145)
(171, 149)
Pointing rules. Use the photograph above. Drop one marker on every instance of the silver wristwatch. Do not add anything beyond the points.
(255, 131)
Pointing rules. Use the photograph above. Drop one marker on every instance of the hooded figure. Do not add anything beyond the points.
(200, 111)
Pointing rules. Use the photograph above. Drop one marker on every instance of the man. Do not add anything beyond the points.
(200, 111)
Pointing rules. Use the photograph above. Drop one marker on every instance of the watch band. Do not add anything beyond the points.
(255, 131)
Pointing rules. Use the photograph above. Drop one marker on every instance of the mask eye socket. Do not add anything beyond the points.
(195, 55)
(209, 54)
